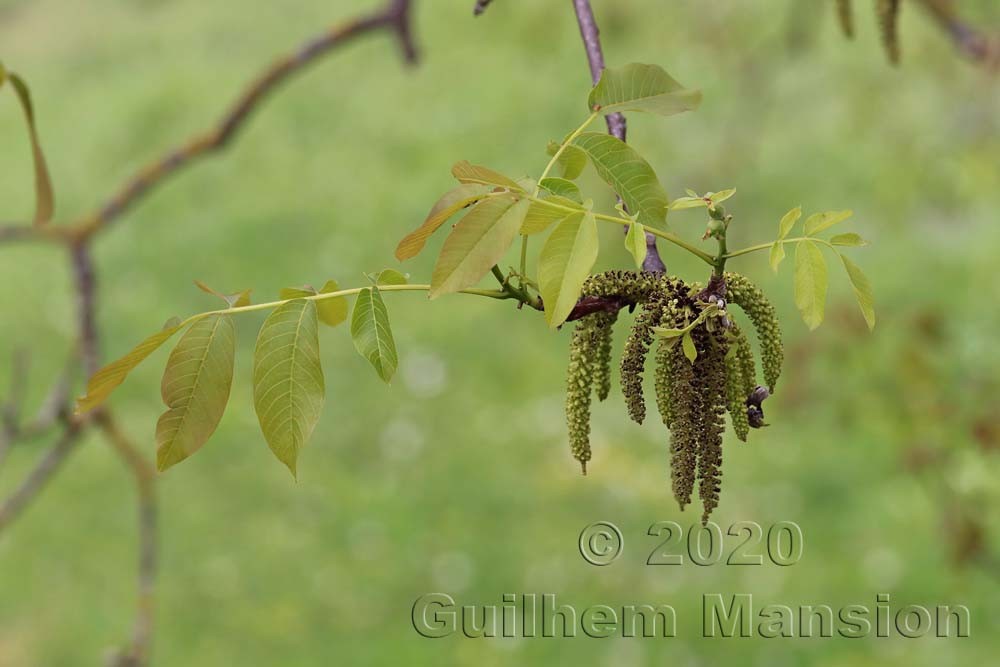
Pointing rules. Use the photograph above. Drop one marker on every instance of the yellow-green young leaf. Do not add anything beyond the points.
(722, 195)
(235, 300)
(541, 215)
(635, 243)
(390, 277)
(690, 351)
(849, 239)
(288, 386)
(777, 255)
(195, 388)
(44, 200)
(862, 290)
(628, 174)
(372, 334)
(107, 379)
(810, 283)
(564, 263)
(788, 221)
(817, 222)
(562, 187)
(331, 311)
(668, 333)
(682, 203)
(478, 241)
(451, 203)
(289, 293)
(471, 173)
(571, 162)
(638, 87)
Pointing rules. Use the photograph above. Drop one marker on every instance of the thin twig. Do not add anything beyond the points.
(616, 122)
(138, 651)
(85, 283)
(480, 7)
(40, 475)
(971, 42)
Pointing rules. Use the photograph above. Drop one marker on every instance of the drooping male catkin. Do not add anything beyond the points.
(710, 383)
(579, 380)
(740, 381)
(603, 326)
(751, 299)
(684, 407)
(888, 18)
(634, 357)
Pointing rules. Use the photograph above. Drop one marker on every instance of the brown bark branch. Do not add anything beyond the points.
(616, 122)
(40, 475)
(970, 42)
(395, 16)
(138, 650)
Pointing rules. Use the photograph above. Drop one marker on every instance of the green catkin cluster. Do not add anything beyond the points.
(634, 358)
(579, 380)
(748, 296)
(691, 397)
(888, 18)
(845, 14)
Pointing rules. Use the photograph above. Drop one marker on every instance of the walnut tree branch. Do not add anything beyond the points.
(616, 122)
(395, 16)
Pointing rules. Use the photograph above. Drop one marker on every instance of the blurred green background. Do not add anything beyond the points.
(457, 478)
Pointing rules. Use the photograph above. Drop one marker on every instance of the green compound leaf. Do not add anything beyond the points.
(788, 221)
(451, 203)
(629, 175)
(107, 379)
(478, 242)
(635, 243)
(564, 264)
(862, 290)
(471, 173)
(562, 188)
(690, 351)
(571, 162)
(810, 283)
(195, 388)
(638, 87)
(44, 199)
(849, 239)
(817, 222)
(372, 334)
(288, 386)
(540, 215)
